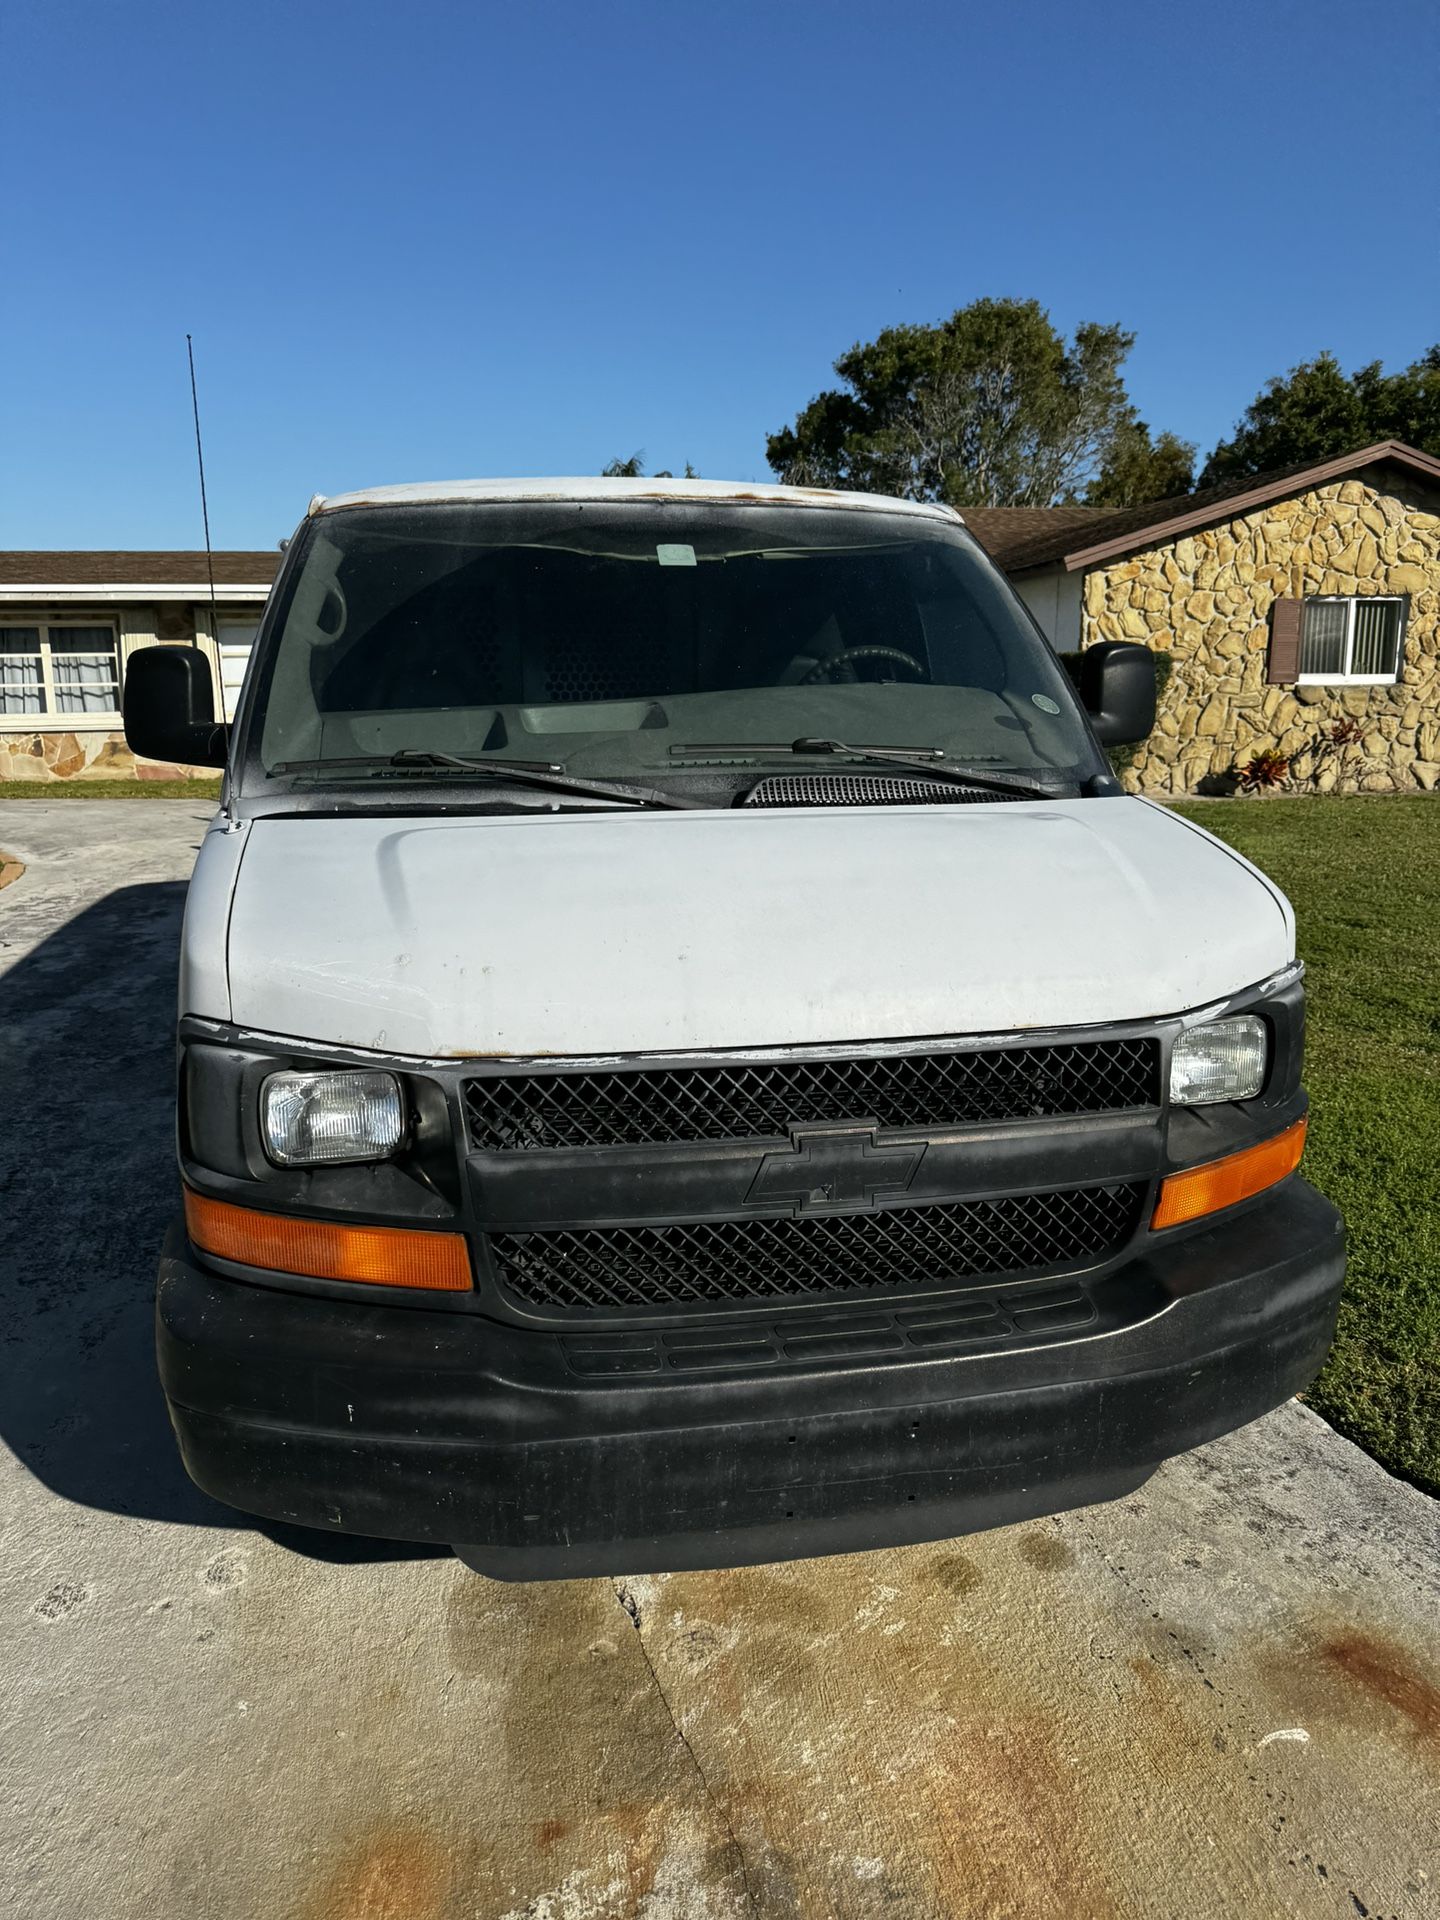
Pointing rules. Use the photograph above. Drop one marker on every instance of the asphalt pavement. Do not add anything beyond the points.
(1219, 1697)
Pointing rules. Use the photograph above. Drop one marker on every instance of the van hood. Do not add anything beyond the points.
(607, 933)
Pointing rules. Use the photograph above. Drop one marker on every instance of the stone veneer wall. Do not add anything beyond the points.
(74, 756)
(1206, 599)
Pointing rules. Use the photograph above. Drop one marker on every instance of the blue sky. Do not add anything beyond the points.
(430, 241)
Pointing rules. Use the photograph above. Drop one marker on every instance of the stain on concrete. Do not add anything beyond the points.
(1351, 1684)
(62, 1600)
(955, 1574)
(593, 1753)
(397, 1874)
(1387, 1673)
(1046, 1552)
(926, 1761)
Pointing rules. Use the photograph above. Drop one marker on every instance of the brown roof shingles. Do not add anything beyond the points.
(1107, 535)
(57, 567)
(1055, 541)
(1004, 531)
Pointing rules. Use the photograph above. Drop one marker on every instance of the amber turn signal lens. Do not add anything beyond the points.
(1223, 1183)
(324, 1250)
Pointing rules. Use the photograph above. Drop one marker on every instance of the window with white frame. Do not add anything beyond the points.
(58, 668)
(1355, 640)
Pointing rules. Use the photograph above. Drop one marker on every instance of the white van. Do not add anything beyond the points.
(689, 1057)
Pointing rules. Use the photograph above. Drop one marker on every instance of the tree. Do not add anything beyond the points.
(988, 408)
(1317, 411)
(634, 469)
(1137, 469)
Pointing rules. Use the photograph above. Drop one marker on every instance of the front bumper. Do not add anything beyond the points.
(453, 1428)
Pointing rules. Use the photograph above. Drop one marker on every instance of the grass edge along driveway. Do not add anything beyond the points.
(1363, 874)
(198, 789)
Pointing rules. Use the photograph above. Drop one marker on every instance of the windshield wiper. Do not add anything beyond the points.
(931, 759)
(547, 775)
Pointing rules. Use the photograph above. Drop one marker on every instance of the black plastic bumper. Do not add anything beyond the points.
(419, 1425)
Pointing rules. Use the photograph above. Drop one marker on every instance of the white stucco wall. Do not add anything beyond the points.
(1053, 596)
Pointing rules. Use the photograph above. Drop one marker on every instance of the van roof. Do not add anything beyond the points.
(603, 487)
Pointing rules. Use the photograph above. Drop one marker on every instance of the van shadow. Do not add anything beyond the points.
(87, 1186)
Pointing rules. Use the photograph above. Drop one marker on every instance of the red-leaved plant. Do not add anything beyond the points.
(1268, 768)
(1339, 746)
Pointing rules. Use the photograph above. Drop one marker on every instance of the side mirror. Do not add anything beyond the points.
(169, 707)
(1117, 685)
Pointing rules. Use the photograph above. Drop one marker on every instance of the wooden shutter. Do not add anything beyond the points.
(1282, 661)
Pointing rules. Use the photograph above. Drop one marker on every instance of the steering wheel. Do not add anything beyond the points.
(847, 656)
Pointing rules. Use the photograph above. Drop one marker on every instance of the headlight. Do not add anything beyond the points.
(318, 1119)
(1221, 1060)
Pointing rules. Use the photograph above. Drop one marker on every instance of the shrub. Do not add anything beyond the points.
(1268, 768)
(1339, 746)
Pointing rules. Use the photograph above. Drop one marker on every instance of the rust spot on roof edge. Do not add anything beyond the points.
(583, 488)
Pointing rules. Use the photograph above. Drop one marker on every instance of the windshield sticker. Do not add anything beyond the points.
(675, 556)
(1044, 702)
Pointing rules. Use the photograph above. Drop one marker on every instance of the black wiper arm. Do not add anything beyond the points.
(931, 759)
(406, 757)
(545, 775)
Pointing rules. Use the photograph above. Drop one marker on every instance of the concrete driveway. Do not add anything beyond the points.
(1221, 1697)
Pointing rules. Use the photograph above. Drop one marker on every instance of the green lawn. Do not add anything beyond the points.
(110, 789)
(1364, 877)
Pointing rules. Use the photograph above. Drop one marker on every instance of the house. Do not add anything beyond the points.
(1297, 613)
(70, 621)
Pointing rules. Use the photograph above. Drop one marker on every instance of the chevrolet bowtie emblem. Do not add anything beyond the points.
(834, 1169)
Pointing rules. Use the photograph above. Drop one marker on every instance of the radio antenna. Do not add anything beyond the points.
(204, 505)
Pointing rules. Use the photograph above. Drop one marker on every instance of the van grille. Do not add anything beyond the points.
(745, 1260)
(664, 1105)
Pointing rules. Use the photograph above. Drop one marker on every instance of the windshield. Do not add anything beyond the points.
(649, 641)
